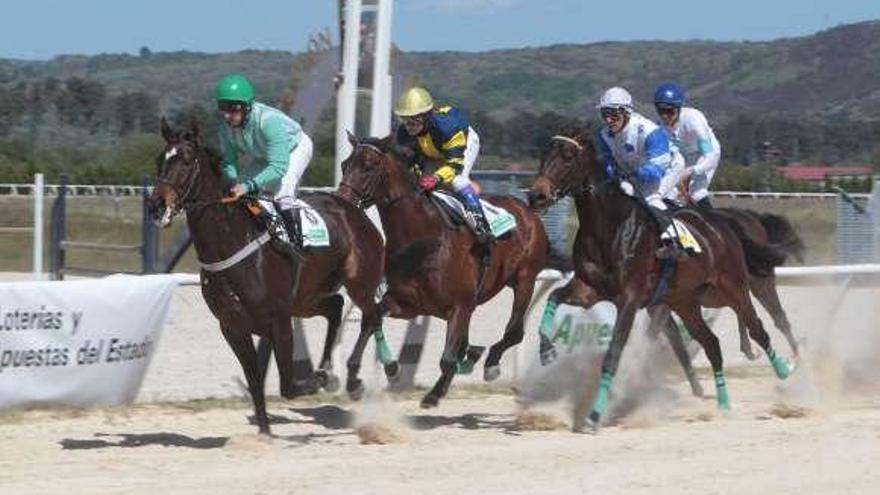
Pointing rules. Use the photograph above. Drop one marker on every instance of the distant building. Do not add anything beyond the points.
(823, 175)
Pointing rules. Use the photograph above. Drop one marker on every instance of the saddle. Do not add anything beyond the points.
(311, 225)
(501, 222)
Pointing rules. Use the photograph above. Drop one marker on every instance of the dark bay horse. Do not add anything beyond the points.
(436, 269)
(252, 288)
(614, 256)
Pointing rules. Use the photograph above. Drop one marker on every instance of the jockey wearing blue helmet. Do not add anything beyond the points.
(689, 130)
(637, 152)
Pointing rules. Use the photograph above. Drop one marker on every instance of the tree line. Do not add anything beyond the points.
(77, 126)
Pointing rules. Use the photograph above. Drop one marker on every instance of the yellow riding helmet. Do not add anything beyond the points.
(414, 101)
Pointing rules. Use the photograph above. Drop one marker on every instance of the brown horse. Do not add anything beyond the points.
(614, 255)
(254, 289)
(438, 269)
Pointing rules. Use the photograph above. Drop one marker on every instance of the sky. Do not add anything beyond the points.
(42, 29)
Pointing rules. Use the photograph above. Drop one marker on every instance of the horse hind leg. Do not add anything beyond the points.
(741, 303)
(243, 348)
(331, 310)
(692, 317)
(661, 321)
(764, 290)
(454, 353)
(513, 332)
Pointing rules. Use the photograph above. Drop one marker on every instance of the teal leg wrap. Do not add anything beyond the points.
(464, 367)
(600, 403)
(546, 327)
(780, 365)
(382, 350)
(721, 389)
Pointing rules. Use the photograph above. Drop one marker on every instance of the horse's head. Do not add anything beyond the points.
(565, 168)
(371, 173)
(178, 173)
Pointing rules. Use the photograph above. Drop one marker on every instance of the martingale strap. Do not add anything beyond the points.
(242, 253)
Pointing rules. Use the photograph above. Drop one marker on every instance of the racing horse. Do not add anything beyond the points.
(436, 268)
(252, 288)
(614, 255)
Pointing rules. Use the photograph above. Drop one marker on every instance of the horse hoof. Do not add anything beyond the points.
(332, 384)
(750, 354)
(491, 373)
(548, 355)
(355, 389)
(697, 390)
(301, 388)
(586, 425)
(392, 372)
(430, 401)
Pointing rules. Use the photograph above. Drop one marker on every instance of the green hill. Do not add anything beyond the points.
(817, 98)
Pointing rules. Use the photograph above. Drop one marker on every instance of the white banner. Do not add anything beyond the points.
(81, 342)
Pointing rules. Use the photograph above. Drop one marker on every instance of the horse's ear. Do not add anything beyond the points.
(352, 139)
(167, 133)
(195, 133)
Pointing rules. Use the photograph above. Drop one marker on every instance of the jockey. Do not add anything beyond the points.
(442, 135)
(689, 130)
(637, 152)
(278, 149)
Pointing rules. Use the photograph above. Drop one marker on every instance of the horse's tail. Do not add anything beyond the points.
(414, 259)
(761, 259)
(781, 233)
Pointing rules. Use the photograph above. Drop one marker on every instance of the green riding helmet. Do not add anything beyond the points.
(235, 88)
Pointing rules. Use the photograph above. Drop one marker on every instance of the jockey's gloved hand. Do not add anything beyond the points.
(428, 182)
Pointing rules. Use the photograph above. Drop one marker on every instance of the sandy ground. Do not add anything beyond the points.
(819, 432)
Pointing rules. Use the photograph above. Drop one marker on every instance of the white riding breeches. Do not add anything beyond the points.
(299, 160)
(668, 185)
(698, 186)
(471, 151)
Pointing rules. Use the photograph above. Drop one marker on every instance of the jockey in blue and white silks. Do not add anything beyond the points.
(637, 150)
(689, 130)
(638, 153)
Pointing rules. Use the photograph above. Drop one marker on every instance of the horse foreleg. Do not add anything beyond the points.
(454, 352)
(264, 354)
(661, 321)
(243, 347)
(622, 327)
(331, 310)
(577, 293)
(513, 332)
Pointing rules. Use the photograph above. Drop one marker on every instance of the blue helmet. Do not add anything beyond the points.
(669, 94)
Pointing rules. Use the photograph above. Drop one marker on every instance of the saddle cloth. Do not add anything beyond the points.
(314, 229)
(500, 220)
(685, 238)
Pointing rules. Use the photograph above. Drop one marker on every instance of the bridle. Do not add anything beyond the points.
(365, 199)
(568, 186)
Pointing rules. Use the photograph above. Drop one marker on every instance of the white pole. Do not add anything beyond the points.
(346, 96)
(38, 226)
(380, 111)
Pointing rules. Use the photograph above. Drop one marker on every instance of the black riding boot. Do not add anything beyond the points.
(294, 230)
(669, 248)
